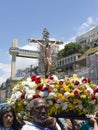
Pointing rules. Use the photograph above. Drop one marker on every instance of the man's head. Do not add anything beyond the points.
(39, 110)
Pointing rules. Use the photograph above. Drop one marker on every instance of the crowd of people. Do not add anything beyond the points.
(41, 120)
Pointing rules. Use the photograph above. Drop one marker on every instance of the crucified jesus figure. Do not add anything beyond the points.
(47, 56)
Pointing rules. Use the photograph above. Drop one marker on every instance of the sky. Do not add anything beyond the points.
(24, 19)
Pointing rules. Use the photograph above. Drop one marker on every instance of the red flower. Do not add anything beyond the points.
(23, 96)
(93, 97)
(36, 96)
(89, 80)
(33, 77)
(95, 90)
(60, 82)
(40, 87)
(38, 80)
(84, 80)
(49, 89)
(51, 77)
(76, 82)
(76, 92)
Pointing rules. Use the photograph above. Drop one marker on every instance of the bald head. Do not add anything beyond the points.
(37, 101)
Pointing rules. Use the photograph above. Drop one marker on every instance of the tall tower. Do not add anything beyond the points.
(13, 62)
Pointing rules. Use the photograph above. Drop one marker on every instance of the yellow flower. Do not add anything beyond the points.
(63, 98)
(82, 96)
(66, 88)
(70, 105)
(83, 88)
(72, 94)
(75, 101)
(60, 95)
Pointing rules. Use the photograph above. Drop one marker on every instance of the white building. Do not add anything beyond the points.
(67, 65)
(90, 38)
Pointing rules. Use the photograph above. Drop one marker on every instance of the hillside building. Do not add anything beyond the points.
(89, 38)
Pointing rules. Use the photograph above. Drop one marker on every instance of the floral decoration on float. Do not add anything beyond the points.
(71, 94)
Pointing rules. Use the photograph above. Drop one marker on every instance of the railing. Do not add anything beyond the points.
(14, 49)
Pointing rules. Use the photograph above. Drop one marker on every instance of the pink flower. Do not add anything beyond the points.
(87, 91)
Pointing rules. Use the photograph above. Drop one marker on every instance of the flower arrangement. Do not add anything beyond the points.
(76, 94)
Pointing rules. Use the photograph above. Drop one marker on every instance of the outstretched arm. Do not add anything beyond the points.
(40, 43)
(36, 41)
(52, 44)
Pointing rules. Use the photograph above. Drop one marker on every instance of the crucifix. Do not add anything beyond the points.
(46, 45)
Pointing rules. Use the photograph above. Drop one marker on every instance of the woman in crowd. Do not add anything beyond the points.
(8, 120)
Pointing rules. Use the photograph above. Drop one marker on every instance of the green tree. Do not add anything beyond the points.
(60, 54)
(72, 48)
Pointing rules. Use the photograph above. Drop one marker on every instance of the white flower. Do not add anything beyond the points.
(57, 105)
(28, 84)
(18, 95)
(26, 89)
(55, 78)
(41, 94)
(64, 105)
(16, 88)
(25, 102)
(51, 95)
(29, 94)
(92, 102)
(50, 102)
(29, 79)
(90, 90)
(96, 95)
(58, 101)
(67, 94)
(52, 86)
(79, 106)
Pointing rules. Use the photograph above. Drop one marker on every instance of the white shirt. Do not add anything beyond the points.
(32, 126)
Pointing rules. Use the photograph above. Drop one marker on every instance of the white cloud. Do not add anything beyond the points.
(5, 70)
(86, 26)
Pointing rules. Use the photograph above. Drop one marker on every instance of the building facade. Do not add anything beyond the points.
(90, 38)
(67, 65)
